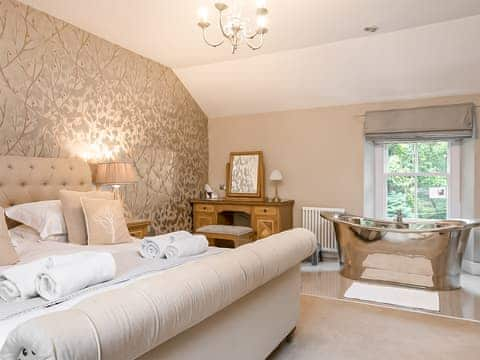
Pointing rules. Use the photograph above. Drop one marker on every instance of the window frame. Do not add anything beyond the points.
(453, 177)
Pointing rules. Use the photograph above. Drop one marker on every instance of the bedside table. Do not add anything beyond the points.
(138, 227)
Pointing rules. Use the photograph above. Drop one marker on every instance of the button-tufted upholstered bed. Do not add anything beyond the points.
(236, 305)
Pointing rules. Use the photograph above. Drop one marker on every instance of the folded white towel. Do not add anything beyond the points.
(154, 246)
(85, 269)
(18, 281)
(187, 246)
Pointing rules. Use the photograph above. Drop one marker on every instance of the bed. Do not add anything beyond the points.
(235, 304)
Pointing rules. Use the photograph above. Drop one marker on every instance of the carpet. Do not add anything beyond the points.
(334, 329)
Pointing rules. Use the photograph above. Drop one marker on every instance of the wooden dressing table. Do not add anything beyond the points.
(264, 217)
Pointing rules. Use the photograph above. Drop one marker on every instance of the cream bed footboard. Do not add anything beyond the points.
(129, 322)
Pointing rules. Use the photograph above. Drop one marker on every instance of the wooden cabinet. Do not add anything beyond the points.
(265, 218)
(138, 228)
(265, 226)
(202, 219)
(204, 214)
(265, 210)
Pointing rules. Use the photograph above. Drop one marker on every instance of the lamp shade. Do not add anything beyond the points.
(276, 175)
(116, 173)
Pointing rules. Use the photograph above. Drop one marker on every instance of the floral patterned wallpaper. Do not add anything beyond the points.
(65, 92)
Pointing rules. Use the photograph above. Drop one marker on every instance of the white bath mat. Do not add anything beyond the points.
(393, 295)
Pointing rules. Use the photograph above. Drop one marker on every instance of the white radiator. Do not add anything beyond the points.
(323, 229)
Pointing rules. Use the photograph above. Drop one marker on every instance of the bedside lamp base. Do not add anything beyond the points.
(276, 198)
(116, 192)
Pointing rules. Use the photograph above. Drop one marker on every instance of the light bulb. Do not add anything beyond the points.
(262, 22)
(203, 14)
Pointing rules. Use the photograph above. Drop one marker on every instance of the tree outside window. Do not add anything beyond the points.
(417, 179)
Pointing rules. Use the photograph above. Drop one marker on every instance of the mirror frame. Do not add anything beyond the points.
(259, 195)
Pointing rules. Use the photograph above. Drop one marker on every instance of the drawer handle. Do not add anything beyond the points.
(264, 210)
(204, 208)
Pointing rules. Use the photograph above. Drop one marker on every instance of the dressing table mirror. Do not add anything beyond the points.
(245, 176)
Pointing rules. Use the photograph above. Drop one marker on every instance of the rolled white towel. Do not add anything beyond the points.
(9, 291)
(18, 281)
(187, 246)
(86, 269)
(154, 246)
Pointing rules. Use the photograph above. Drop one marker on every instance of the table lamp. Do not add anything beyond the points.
(116, 174)
(276, 177)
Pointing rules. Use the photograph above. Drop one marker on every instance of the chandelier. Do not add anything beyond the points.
(235, 27)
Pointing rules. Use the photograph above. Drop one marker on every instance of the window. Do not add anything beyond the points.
(419, 178)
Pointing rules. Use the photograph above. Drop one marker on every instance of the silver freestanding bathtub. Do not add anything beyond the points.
(421, 254)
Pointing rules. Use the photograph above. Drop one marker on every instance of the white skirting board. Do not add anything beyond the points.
(471, 267)
(393, 295)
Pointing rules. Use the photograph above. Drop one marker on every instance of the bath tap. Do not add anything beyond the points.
(400, 224)
(399, 218)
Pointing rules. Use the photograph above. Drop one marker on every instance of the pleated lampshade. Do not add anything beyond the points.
(116, 173)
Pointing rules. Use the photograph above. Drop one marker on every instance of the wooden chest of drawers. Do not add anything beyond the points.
(266, 218)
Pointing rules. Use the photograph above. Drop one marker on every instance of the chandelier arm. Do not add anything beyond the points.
(253, 36)
(221, 24)
(256, 47)
(204, 33)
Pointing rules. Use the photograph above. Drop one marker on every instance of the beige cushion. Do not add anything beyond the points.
(8, 255)
(73, 212)
(226, 229)
(105, 221)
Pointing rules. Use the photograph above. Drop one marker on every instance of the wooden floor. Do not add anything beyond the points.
(325, 280)
(334, 329)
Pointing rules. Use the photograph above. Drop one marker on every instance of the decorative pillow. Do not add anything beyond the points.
(105, 221)
(46, 217)
(73, 212)
(8, 255)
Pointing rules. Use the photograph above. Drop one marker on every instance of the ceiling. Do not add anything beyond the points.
(435, 60)
(316, 53)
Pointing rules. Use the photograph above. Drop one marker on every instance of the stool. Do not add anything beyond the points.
(238, 235)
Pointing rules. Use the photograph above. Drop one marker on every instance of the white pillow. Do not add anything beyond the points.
(46, 217)
(24, 233)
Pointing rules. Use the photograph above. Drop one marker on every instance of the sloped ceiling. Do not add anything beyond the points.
(316, 53)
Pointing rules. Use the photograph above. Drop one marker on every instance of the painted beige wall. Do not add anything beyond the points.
(319, 151)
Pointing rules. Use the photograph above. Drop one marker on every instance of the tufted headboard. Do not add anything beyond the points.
(28, 179)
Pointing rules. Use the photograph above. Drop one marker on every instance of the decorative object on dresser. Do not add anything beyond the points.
(208, 193)
(245, 176)
(139, 228)
(116, 174)
(276, 177)
(264, 217)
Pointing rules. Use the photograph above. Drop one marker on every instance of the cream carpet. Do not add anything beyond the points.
(333, 329)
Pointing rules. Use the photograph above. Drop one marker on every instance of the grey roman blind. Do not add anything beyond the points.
(431, 123)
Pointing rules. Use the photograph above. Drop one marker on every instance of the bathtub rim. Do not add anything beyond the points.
(457, 224)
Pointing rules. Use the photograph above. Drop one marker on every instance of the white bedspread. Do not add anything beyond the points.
(126, 322)
(33, 251)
